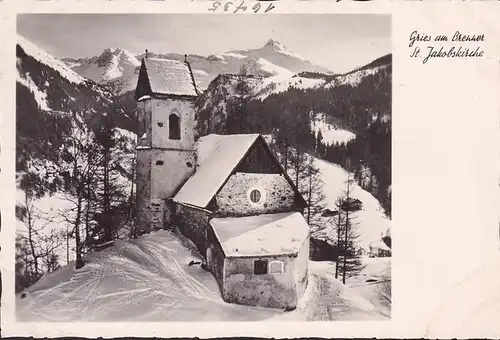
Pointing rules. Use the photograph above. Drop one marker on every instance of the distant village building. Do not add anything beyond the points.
(379, 249)
(227, 193)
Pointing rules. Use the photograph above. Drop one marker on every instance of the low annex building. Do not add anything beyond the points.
(226, 193)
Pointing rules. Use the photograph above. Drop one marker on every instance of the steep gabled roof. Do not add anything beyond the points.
(165, 77)
(217, 158)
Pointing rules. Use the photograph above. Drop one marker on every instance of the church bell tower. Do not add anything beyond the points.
(165, 94)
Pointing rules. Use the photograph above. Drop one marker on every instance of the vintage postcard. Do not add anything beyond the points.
(262, 168)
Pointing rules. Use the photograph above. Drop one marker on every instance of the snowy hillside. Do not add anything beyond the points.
(265, 79)
(47, 59)
(57, 88)
(149, 279)
(354, 78)
(371, 220)
(57, 109)
(331, 134)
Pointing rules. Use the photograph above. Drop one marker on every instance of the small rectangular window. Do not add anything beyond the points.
(260, 267)
(159, 162)
(276, 267)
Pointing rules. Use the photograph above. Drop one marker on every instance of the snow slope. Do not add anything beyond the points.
(371, 220)
(332, 135)
(372, 283)
(327, 299)
(47, 59)
(39, 94)
(355, 77)
(149, 279)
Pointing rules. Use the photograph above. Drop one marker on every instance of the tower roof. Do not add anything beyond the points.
(165, 77)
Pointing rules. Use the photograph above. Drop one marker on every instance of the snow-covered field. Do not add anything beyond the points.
(331, 134)
(149, 279)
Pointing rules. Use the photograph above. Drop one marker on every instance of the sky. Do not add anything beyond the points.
(339, 42)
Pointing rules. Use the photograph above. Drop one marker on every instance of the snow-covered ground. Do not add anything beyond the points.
(374, 283)
(371, 220)
(149, 279)
(331, 134)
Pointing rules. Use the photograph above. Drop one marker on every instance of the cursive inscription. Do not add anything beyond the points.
(426, 47)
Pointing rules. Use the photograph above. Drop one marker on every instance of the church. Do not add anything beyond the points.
(227, 193)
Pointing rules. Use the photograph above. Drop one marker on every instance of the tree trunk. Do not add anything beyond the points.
(347, 200)
(131, 202)
(286, 155)
(78, 250)
(67, 244)
(345, 245)
(338, 245)
(297, 167)
(29, 213)
(87, 216)
(106, 199)
(309, 200)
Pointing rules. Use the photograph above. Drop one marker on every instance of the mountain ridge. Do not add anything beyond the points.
(121, 75)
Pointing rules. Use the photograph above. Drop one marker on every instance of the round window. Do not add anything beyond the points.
(255, 196)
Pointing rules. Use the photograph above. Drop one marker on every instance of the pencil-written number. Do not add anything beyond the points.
(235, 7)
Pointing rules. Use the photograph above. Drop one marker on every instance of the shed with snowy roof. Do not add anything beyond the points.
(260, 260)
(227, 193)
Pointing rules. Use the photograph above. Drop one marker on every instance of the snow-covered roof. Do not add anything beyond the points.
(379, 245)
(217, 156)
(170, 77)
(269, 234)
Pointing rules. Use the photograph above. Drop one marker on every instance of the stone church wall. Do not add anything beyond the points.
(170, 170)
(234, 198)
(144, 109)
(161, 110)
(193, 224)
(215, 258)
(274, 290)
(143, 194)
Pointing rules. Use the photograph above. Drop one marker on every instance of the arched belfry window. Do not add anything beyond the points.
(174, 126)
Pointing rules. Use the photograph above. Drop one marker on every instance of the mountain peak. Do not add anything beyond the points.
(112, 50)
(275, 45)
(115, 55)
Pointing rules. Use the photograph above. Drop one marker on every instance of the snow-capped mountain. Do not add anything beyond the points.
(53, 104)
(118, 68)
(275, 53)
(115, 67)
(260, 87)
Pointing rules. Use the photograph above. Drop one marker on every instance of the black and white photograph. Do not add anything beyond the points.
(181, 167)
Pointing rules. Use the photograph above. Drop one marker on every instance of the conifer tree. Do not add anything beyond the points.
(350, 263)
